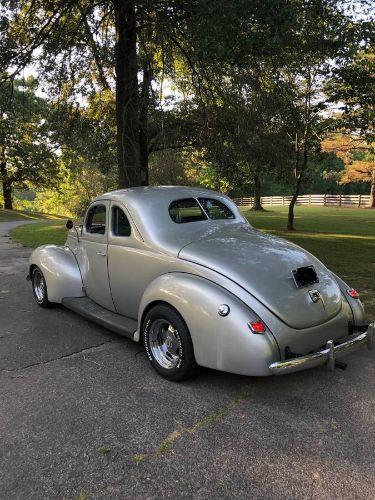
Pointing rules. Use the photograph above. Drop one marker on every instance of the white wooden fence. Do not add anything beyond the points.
(313, 200)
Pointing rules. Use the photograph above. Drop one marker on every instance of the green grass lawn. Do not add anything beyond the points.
(343, 239)
(10, 215)
(41, 233)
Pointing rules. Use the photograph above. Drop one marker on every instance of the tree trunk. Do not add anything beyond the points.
(143, 120)
(290, 224)
(257, 203)
(127, 99)
(372, 192)
(300, 172)
(293, 201)
(7, 188)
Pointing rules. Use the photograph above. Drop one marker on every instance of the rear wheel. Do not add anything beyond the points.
(39, 285)
(168, 343)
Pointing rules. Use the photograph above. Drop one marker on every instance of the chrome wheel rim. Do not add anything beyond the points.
(165, 344)
(39, 286)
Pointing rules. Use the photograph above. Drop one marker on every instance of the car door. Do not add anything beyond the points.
(123, 243)
(92, 258)
(132, 264)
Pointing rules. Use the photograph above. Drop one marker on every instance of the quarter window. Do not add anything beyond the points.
(215, 209)
(187, 210)
(120, 223)
(96, 220)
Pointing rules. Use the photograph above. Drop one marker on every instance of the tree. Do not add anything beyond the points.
(300, 42)
(79, 47)
(304, 127)
(245, 134)
(127, 97)
(26, 141)
(358, 158)
(326, 38)
(352, 86)
(83, 46)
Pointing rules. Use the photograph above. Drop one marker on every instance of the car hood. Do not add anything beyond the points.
(262, 264)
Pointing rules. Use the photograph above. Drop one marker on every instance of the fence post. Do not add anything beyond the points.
(309, 199)
(324, 200)
(340, 200)
(359, 201)
(283, 200)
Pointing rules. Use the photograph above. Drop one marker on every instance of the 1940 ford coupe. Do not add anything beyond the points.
(181, 270)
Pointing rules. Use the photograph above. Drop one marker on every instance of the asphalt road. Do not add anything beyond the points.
(83, 415)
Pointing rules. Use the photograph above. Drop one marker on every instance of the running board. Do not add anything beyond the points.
(93, 311)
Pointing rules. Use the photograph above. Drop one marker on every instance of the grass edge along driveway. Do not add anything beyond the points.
(343, 239)
(16, 215)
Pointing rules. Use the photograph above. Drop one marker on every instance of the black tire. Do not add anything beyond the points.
(39, 287)
(174, 339)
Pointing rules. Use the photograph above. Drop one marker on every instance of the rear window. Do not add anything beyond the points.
(187, 210)
(215, 209)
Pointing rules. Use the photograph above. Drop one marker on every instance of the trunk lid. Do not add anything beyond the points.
(262, 264)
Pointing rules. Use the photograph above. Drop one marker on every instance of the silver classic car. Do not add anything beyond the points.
(181, 270)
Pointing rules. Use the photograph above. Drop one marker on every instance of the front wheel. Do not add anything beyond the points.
(168, 343)
(39, 285)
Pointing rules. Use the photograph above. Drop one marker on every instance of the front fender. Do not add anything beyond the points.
(223, 343)
(60, 269)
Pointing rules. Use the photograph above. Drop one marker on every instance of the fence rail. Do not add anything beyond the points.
(317, 200)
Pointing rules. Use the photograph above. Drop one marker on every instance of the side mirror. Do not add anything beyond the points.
(70, 225)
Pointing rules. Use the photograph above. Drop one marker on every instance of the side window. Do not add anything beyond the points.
(96, 218)
(120, 223)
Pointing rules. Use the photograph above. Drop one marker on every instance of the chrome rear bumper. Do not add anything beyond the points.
(327, 356)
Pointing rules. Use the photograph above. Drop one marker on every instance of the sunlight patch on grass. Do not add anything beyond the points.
(43, 233)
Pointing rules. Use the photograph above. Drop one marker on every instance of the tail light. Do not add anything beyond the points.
(353, 293)
(257, 326)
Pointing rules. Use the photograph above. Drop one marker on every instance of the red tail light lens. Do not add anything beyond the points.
(257, 327)
(353, 293)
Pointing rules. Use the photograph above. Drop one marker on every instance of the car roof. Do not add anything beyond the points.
(157, 192)
(148, 208)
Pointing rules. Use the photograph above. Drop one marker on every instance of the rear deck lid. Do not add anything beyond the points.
(263, 265)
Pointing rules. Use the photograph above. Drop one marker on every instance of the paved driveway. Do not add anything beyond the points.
(83, 413)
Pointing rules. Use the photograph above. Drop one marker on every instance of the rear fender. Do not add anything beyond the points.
(220, 342)
(60, 269)
(359, 314)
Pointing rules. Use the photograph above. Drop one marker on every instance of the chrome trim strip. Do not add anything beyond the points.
(326, 356)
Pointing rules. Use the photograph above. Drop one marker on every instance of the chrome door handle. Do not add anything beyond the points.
(102, 253)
